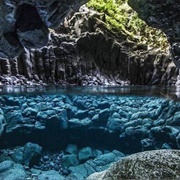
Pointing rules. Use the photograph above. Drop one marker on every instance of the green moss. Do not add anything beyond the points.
(121, 19)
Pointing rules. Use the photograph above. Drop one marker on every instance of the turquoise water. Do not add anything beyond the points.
(129, 119)
(77, 131)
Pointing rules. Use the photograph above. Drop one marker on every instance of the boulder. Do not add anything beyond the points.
(27, 155)
(51, 175)
(2, 124)
(157, 164)
(85, 154)
(75, 176)
(178, 140)
(69, 160)
(29, 112)
(11, 171)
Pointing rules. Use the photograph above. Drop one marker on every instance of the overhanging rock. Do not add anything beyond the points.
(25, 23)
(163, 15)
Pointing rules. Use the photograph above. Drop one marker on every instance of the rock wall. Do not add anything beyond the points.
(164, 16)
(25, 23)
(83, 52)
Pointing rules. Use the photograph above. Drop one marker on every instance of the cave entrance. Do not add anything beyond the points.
(28, 18)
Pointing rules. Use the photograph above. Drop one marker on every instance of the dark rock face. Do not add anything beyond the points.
(164, 16)
(26, 23)
(83, 52)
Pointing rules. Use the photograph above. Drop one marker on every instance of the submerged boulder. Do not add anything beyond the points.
(27, 155)
(11, 171)
(158, 164)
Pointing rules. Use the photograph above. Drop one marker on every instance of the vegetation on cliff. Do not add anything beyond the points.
(121, 19)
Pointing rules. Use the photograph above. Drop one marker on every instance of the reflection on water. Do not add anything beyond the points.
(164, 91)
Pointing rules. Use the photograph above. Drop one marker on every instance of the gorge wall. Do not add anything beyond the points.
(164, 16)
(82, 51)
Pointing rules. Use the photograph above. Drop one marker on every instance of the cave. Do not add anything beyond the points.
(89, 89)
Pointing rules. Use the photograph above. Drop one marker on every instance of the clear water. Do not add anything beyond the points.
(108, 122)
(130, 119)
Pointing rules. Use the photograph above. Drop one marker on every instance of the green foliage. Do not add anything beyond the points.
(121, 19)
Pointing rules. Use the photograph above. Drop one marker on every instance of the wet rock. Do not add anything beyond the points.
(100, 163)
(14, 119)
(163, 164)
(54, 175)
(10, 170)
(81, 114)
(72, 149)
(2, 124)
(69, 160)
(178, 140)
(76, 123)
(97, 153)
(27, 155)
(147, 144)
(75, 176)
(103, 161)
(103, 116)
(116, 124)
(29, 112)
(85, 154)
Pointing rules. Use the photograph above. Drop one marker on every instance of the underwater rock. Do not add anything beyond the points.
(69, 160)
(10, 170)
(29, 112)
(75, 176)
(72, 149)
(163, 164)
(27, 155)
(54, 175)
(2, 124)
(125, 122)
(100, 163)
(85, 154)
(178, 140)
